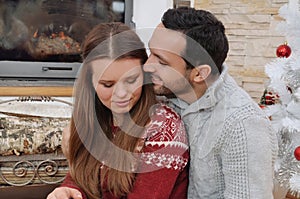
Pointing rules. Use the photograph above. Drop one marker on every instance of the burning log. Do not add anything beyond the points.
(44, 45)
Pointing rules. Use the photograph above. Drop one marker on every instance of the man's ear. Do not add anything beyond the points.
(201, 73)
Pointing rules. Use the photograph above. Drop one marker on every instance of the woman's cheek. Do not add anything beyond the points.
(104, 94)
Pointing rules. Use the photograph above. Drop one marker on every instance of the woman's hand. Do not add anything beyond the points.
(64, 193)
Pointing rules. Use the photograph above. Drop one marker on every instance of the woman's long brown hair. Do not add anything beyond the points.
(91, 145)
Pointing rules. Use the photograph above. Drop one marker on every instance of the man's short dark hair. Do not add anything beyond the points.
(202, 28)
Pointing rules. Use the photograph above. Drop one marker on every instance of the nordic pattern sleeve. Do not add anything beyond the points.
(69, 182)
(163, 171)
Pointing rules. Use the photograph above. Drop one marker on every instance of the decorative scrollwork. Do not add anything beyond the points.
(20, 170)
(25, 172)
(50, 168)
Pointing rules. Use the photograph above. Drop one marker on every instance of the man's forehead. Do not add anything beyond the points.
(167, 39)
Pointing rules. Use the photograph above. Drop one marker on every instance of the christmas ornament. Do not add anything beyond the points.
(262, 106)
(297, 153)
(283, 51)
(271, 98)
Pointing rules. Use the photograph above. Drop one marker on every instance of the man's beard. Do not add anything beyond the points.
(183, 86)
(164, 91)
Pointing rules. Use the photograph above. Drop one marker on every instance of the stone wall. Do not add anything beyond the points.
(253, 38)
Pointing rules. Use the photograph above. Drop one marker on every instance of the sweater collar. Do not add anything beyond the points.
(211, 97)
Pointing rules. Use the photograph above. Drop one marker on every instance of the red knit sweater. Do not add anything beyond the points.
(165, 155)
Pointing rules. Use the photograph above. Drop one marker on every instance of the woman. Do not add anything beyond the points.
(123, 143)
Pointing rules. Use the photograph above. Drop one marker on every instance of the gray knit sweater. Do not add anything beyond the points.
(232, 144)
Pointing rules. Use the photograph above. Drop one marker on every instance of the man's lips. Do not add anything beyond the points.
(156, 80)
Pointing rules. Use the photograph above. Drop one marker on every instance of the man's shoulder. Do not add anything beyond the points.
(237, 98)
(239, 105)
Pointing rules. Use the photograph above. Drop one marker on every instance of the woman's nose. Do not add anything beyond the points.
(120, 91)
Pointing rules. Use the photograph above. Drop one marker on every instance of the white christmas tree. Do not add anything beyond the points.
(282, 99)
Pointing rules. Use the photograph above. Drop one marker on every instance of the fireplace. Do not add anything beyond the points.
(41, 39)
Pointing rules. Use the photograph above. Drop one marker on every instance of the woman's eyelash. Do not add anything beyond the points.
(131, 80)
(107, 85)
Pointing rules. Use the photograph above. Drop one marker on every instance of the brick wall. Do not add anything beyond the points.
(253, 39)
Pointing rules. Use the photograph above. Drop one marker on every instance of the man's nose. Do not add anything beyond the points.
(149, 66)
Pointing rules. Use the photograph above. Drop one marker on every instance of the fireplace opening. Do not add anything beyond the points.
(51, 30)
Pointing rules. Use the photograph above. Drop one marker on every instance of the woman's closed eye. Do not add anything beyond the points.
(131, 80)
(109, 84)
(106, 84)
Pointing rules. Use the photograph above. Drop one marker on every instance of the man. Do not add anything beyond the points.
(232, 144)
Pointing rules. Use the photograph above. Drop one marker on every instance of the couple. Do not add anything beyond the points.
(125, 142)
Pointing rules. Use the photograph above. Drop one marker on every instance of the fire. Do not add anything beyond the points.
(53, 43)
(35, 34)
(62, 35)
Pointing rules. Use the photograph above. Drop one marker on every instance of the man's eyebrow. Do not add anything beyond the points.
(160, 57)
(156, 55)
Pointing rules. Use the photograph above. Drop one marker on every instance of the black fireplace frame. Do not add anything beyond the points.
(43, 73)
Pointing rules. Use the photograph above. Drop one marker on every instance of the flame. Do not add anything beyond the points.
(35, 34)
(62, 35)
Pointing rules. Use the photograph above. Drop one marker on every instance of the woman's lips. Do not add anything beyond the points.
(123, 103)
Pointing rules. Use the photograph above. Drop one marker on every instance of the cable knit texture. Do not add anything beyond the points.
(232, 144)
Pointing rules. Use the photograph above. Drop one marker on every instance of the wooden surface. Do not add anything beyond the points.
(34, 91)
(26, 192)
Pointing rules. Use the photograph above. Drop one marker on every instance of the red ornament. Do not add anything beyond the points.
(297, 153)
(262, 106)
(271, 98)
(283, 51)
